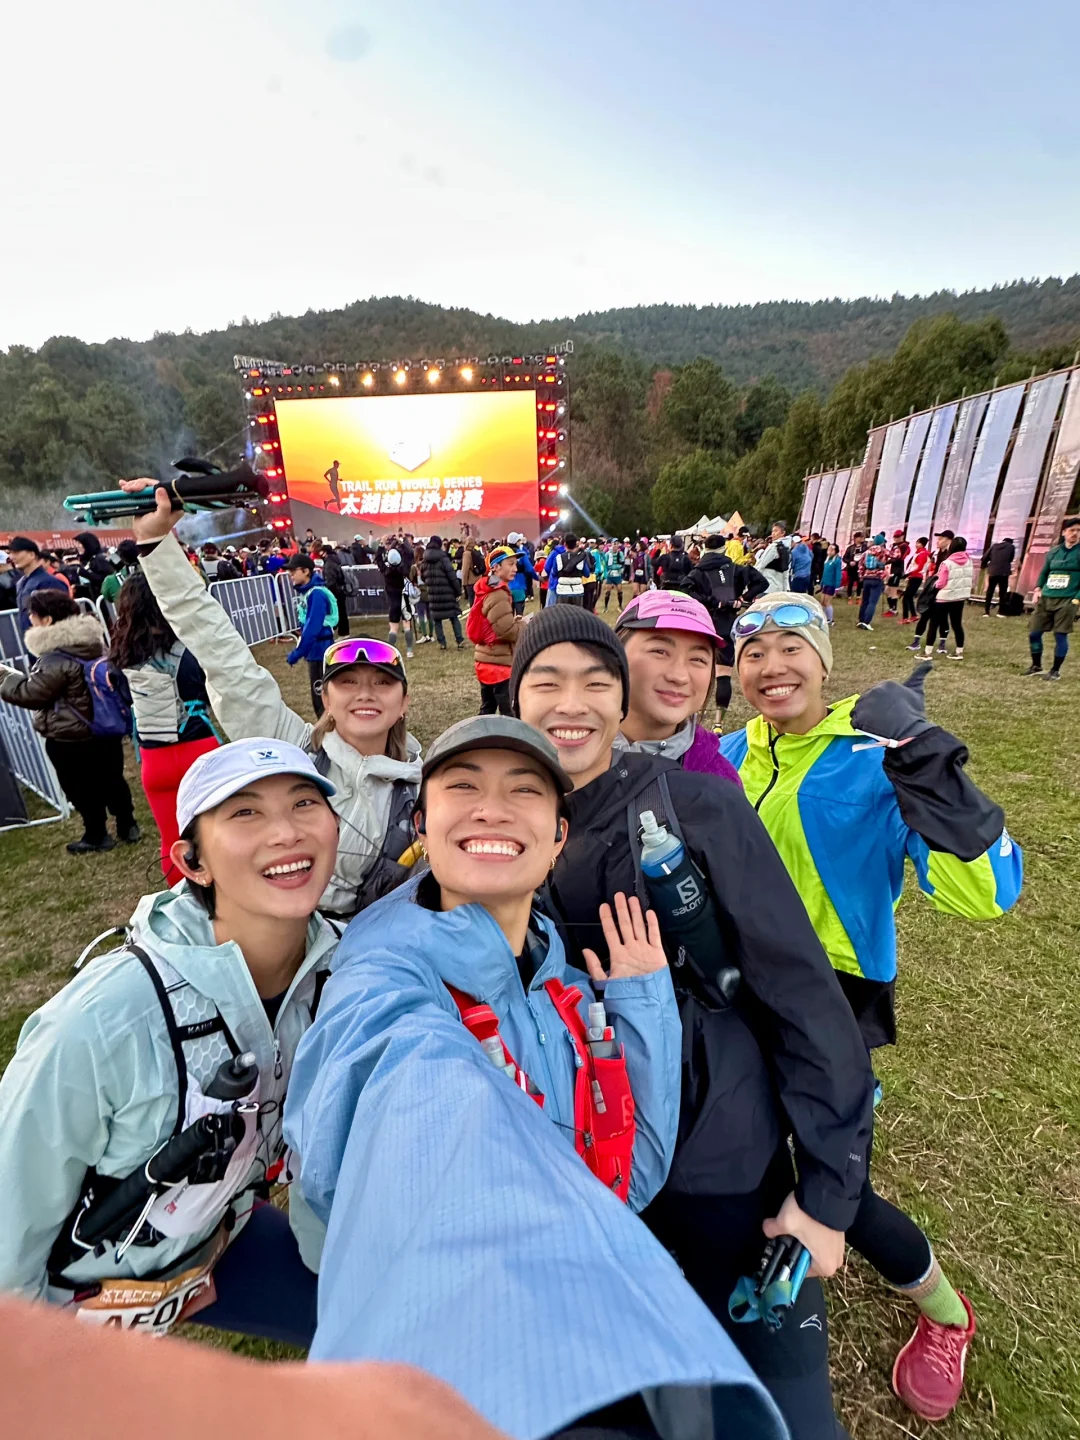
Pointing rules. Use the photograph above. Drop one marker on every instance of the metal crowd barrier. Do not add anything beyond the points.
(261, 607)
(365, 592)
(11, 640)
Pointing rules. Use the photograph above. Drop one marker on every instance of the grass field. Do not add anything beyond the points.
(977, 1136)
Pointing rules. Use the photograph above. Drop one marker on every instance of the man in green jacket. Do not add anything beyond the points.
(1057, 600)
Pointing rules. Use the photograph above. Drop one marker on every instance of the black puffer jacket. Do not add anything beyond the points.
(443, 585)
(56, 686)
(787, 1057)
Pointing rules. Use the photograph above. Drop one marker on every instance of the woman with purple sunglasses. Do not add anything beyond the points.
(360, 743)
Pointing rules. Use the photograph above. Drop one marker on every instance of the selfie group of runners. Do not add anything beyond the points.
(541, 1061)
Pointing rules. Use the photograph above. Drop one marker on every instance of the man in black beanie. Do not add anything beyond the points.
(785, 1059)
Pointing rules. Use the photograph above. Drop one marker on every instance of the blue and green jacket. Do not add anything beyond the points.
(833, 814)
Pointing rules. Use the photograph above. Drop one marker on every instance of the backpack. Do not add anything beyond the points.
(782, 560)
(676, 567)
(717, 584)
(572, 565)
(871, 561)
(478, 627)
(110, 698)
(159, 715)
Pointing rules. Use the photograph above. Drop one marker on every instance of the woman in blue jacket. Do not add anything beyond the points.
(451, 1161)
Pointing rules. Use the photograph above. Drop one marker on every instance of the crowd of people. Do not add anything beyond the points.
(513, 1083)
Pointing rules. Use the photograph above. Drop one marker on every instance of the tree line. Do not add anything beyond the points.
(676, 410)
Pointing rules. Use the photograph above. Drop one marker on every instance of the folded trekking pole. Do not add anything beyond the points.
(770, 1293)
(200, 486)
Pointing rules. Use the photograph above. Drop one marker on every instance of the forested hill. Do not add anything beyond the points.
(73, 415)
(804, 344)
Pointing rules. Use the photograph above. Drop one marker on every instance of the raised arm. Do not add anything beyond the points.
(244, 696)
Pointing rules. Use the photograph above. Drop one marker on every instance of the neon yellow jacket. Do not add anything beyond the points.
(834, 817)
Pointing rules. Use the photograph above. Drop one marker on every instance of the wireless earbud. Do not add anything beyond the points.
(558, 832)
(191, 860)
(421, 828)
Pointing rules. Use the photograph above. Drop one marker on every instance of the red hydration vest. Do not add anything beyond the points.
(604, 1125)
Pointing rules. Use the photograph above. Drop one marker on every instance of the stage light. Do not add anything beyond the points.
(562, 489)
(399, 378)
(466, 374)
(367, 380)
(334, 380)
(434, 375)
(564, 514)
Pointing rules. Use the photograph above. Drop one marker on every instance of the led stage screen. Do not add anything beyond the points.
(423, 464)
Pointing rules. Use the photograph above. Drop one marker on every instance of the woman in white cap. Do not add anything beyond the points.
(141, 1116)
(361, 743)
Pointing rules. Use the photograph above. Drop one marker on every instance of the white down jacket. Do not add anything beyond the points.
(247, 702)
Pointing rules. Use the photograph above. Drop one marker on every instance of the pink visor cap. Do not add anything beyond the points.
(667, 610)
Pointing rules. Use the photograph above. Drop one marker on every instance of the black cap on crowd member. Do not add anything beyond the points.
(567, 625)
(1068, 525)
(23, 542)
(945, 534)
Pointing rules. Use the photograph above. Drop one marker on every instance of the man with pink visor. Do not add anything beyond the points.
(671, 648)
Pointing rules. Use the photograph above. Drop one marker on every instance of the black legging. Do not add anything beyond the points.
(941, 617)
(718, 1238)
(886, 1237)
(999, 584)
(911, 589)
(91, 775)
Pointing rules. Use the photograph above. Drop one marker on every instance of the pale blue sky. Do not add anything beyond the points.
(176, 165)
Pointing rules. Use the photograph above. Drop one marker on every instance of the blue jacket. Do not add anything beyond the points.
(316, 635)
(39, 579)
(834, 816)
(525, 571)
(833, 573)
(802, 560)
(465, 1235)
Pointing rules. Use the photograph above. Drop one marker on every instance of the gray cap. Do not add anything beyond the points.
(497, 732)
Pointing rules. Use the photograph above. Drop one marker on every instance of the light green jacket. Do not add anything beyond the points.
(93, 1083)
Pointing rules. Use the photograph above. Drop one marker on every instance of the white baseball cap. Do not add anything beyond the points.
(220, 773)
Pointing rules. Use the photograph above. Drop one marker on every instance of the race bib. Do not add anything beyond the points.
(1057, 581)
(155, 1306)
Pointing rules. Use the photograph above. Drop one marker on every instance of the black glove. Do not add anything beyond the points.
(937, 799)
(895, 711)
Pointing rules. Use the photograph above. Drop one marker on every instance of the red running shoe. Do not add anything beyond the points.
(929, 1372)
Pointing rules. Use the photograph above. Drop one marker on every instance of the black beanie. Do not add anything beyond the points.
(562, 625)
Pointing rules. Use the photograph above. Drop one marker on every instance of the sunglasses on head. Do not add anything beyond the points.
(363, 652)
(784, 617)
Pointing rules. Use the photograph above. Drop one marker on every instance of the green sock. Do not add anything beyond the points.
(936, 1298)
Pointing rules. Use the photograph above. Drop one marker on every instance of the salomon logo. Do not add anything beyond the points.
(812, 1322)
(688, 890)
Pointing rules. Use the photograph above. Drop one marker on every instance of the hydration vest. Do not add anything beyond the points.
(604, 1125)
(200, 1040)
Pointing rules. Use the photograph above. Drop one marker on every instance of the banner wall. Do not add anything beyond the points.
(810, 492)
(1059, 487)
(914, 439)
(862, 483)
(836, 501)
(933, 462)
(823, 497)
(982, 483)
(1026, 462)
(951, 496)
(886, 481)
